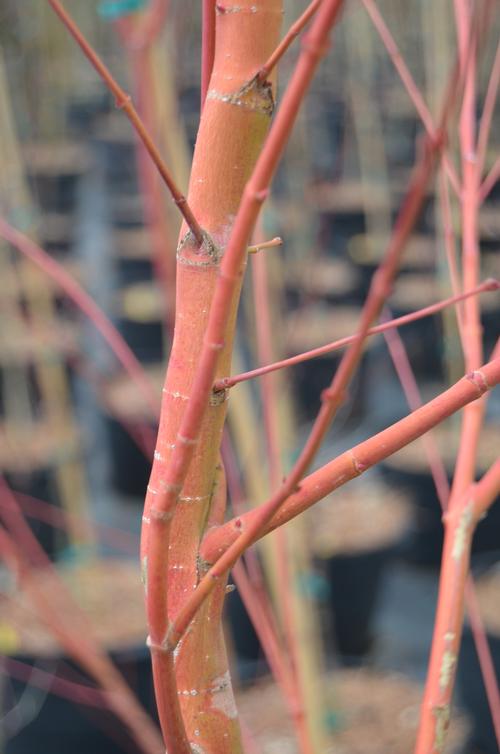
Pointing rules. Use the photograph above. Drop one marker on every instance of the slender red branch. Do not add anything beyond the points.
(269, 395)
(223, 546)
(124, 102)
(153, 23)
(53, 515)
(87, 305)
(410, 85)
(334, 395)
(488, 109)
(287, 40)
(229, 382)
(450, 248)
(207, 46)
(440, 479)
(54, 684)
(484, 655)
(467, 33)
(460, 522)
(229, 278)
(267, 635)
(255, 248)
(69, 627)
(490, 181)
(409, 384)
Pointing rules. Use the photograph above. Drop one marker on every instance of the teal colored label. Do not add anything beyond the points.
(112, 9)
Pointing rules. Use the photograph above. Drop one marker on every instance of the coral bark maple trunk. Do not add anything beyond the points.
(234, 123)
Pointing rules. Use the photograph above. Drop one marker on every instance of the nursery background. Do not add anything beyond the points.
(329, 619)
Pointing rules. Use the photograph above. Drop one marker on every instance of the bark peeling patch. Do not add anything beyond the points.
(462, 532)
(222, 10)
(442, 715)
(447, 665)
(196, 749)
(255, 95)
(223, 697)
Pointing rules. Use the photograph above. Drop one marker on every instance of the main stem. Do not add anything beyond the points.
(235, 120)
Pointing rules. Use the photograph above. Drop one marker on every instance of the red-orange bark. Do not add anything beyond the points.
(235, 120)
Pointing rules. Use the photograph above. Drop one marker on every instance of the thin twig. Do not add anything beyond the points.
(490, 181)
(357, 460)
(487, 114)
(410, 84)
(287, 40)
(228, 382)
(124, 102)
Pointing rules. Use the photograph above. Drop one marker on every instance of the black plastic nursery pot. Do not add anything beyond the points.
(131, 432)
(423, 341)
(115, 150)
(424, 544)
(133, 256)
(338, 228)
(130, 270)
(81, 112)
(482, 739)
(311, 377)
(126, 212)
(140, 311)
(365, 253)
(244, 641)
(333, 281)
(54, 173)
(62, 726)
(145, 338)
(57, 235)
(40, 484)
(130, 468)
(355, 581)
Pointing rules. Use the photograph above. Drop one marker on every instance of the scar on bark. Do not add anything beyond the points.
(193, 255)
(254, 95)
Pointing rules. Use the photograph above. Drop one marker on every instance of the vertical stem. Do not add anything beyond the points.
(460, 522)
(207, 46)
(234, 122)
(269, 397)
